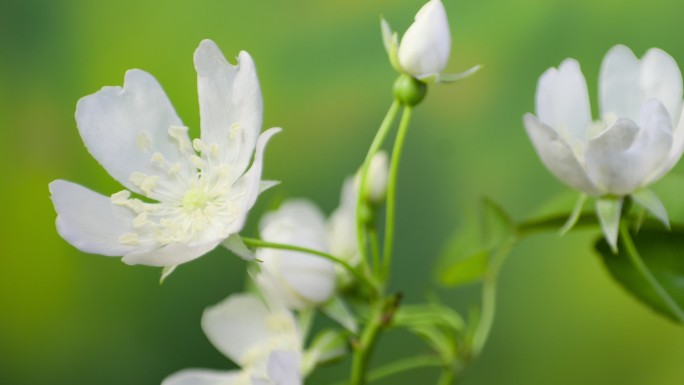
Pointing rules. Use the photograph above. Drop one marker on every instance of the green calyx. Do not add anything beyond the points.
(409, 90)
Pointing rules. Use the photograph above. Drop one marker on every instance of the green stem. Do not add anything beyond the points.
(374, 246)
(360, 199)
(392, 188)
(271, 245)
(365, 345)
(447, 376)
(634, 256)
(555, 222)
(396, 367)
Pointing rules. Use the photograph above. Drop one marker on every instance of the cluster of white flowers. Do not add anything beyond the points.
(184, 197)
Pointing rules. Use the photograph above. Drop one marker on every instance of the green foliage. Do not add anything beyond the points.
(660, 251)
(472, 250)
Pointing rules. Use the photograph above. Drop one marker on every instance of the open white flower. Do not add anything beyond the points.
(638, 138)
(296, 280)
(425, 47)
(264, 342)
(198, 192)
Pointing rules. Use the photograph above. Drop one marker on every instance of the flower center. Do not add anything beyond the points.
(194, 199)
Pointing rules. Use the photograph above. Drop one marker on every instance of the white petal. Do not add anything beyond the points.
(619, 84)
(124, 127)
(237, 325)
(677, 147)
(625, 83)
(231, 106)
(608, 211)
(557, 156)
(624, 157)
(249, 185)
(562, 101)
(203, 377)
(283, 368)
(342, 225)
(170, 255)
(89, 221)
(425, 47)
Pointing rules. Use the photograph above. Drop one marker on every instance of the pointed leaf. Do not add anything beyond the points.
(574, 216)
(649, 200)
(328, 346)
(660, 252)
(339, 312)
(608, 212)
(235, 244)
(451, 78)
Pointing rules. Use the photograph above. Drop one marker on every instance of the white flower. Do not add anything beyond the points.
(378, 171)
(637, 139)
(198, 192)
(425, 47)
(294, 279)
(264, 342)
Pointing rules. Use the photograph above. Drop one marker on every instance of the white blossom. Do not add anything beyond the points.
(425, 47)
(297, 280)
(196, 192)
(638, 137)
(264, 342)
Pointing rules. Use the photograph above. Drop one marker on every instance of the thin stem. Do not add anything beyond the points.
(447, 376)
(271, 245)
(374, 246)
(365, 345)
(634, 256)
(360, 199)
(396, 367)
(392, 188)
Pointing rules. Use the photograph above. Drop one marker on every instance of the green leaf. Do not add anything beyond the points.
(438, 325)
(328, 346)
(661, 253)
(468, 256)
(339, 312)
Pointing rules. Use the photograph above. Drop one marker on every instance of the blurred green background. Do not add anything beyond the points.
(71, 318)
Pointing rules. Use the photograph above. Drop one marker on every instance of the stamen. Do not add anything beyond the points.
(120, 198)
(143, 141)
(129, 239)
(234, 130)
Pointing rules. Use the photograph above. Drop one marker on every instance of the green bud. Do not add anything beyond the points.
(409, 90)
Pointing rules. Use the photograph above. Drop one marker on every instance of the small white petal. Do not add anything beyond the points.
(169, 255)
(557, 156)
(135, 121)
(562, 101)
(89, 221)
(608, 211)
(237, 325)
(425, 47)
(203, 377)
(377, 177)
(231, 105)
(662, 80)
(624, 157)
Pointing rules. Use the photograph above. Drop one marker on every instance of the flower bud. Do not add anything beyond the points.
(425, 47)
(294, 279)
